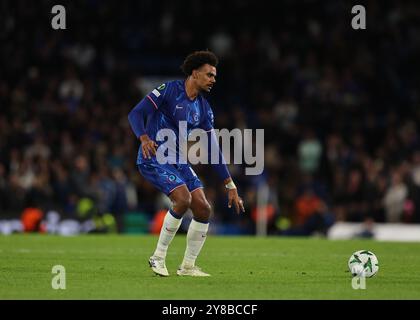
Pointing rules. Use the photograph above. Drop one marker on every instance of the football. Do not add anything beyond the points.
(363, 263)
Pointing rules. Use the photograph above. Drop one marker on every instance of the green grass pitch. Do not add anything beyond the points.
(115, 267)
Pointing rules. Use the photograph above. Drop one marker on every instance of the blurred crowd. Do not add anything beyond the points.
(340, 107)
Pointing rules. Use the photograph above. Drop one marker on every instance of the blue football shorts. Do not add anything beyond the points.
(168, 177)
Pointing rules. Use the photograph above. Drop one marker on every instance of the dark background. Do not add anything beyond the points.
(340, 107)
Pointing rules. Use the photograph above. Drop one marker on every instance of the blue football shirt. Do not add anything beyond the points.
(173, 107)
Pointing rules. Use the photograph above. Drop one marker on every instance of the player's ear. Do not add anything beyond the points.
(194, 74)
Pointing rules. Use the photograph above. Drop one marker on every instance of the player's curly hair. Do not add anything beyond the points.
(198, 58)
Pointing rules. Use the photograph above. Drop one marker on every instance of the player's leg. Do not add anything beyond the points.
(181, 200)
(197, 234)
(169, 181)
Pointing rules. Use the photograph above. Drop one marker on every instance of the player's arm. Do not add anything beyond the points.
(220, 165)
(152, 102)
(221, 169)
(136, 119)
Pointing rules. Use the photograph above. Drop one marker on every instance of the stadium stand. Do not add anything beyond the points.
(340, 108)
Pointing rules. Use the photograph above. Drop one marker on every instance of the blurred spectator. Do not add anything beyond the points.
(395, 197)
(32, 220)
(310, 150)
(311, 215)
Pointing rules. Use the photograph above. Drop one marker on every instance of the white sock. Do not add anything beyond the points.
(169, 228)
(197, 234)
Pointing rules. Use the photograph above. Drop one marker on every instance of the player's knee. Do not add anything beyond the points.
(203, 210)
(183, 203)
(206, 209)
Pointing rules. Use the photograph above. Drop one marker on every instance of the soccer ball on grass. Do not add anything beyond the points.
(363, 263)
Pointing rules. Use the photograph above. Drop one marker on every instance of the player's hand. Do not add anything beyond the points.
(236, 200)
(148, 146)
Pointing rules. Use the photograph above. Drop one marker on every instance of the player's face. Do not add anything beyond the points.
(206, 77)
